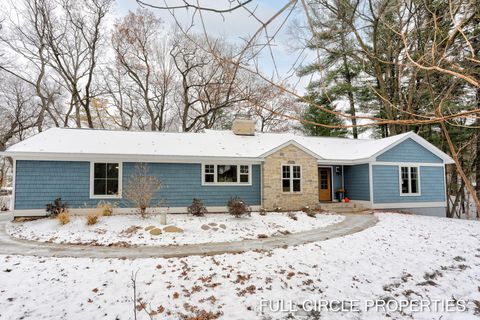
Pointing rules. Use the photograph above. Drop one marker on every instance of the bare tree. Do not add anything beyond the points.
(74, 37)
(25, 37)
(205, 87)
(140, 50)
(141, 188)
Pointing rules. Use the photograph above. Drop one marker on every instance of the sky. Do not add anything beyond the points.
(240, 25)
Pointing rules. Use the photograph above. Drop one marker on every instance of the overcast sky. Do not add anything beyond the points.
(239, 25)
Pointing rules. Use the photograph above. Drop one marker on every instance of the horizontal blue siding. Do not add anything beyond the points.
(337, 179)
(386, 185)
(40, 182)
(357, 184)
(408, 151)
(182, 182)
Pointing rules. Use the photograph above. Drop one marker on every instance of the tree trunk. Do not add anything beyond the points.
(477, 160)
(466, 180)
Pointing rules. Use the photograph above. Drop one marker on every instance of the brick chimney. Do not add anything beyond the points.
(243, 127)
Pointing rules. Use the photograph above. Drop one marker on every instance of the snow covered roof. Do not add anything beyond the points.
(210, 143)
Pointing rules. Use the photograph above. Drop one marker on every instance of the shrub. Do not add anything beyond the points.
(197, 208)
(56, 207)
(63, 217)
(310, 212)
(141, 188)
(92, 218)
(237, 207)
(292, 216)
(263, 212)
(106, 208)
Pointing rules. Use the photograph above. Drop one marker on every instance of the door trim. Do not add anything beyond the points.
(331, 181)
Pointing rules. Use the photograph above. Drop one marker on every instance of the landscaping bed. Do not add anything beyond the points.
(181, 229)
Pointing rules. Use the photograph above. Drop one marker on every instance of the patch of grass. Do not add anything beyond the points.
(92, 218)
(106, 208)
(459, 259)
(63, 217)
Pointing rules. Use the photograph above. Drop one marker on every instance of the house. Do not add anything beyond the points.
(269, 170)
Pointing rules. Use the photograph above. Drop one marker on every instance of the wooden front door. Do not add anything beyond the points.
(324, 184)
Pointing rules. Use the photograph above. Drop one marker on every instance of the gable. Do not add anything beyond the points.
(409, 151)
(291, 152)
(291, 145)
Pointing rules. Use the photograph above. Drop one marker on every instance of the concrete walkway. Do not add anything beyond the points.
(351, 224)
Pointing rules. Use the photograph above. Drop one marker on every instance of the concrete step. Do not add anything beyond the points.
(342, 207)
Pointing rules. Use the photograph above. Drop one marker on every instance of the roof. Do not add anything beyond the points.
(210, 143)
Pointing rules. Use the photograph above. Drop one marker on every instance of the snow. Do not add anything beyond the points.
(114, 230)
(211, 143)
(391, 260)
(5, 201)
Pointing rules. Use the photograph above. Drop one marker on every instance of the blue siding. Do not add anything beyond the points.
(357, 184)
(40, 182)
(386, 185)
(337, 179)
(409, 151)
(182, 182)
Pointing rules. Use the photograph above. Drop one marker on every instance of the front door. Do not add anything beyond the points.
(324, 184)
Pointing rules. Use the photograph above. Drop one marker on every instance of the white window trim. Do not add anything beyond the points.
(409, 194)
(120, 180)
(291, 178)
(216, 183)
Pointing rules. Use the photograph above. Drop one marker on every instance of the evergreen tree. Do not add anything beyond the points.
(314, 114)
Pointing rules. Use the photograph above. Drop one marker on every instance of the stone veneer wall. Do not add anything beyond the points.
(273, 196)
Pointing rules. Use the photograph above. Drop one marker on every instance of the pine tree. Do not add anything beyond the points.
(314, 114)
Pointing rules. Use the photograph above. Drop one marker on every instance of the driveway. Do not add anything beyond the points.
(351, 224)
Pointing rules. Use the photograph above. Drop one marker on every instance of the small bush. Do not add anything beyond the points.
(292, 216)
(92, 218)
(310, 212)
(63, 217)
(237, 207)
(56, 207)
(197, 208)
(106, 208)
(263, 212)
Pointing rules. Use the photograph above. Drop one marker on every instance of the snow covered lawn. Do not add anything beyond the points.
(402, 257)
(132, 230)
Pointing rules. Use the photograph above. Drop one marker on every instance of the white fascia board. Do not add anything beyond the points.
(288, 143)
(129, 158)
(343, 162)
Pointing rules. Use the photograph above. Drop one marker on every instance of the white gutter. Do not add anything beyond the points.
(126, 157)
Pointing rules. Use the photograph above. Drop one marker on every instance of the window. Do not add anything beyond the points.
(409, 181)
(209, 173)
(222, 174)
(105, 180)
(226, 173)
(244, 173)
(291, 178)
